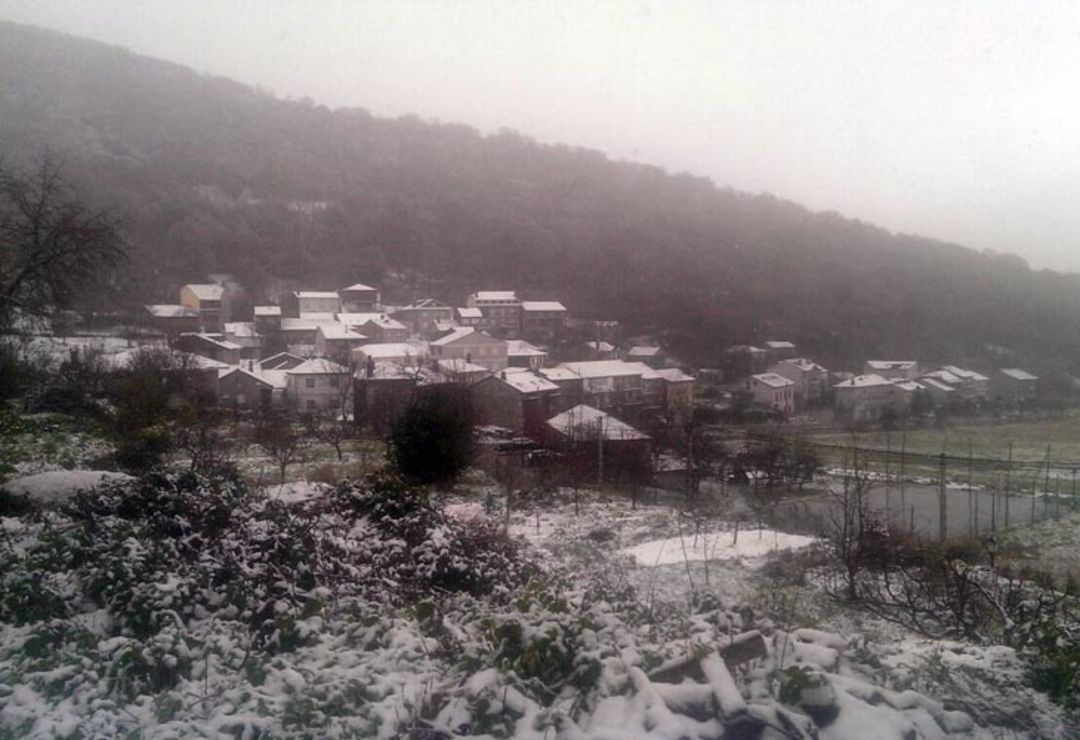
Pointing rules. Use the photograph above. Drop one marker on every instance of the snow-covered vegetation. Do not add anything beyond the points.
(181, 605)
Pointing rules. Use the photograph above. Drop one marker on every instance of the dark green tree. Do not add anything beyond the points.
(432, 441)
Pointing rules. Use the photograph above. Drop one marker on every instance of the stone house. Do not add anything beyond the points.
(516, 399)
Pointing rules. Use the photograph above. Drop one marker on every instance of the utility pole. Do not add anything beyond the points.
(903, 459)
(943, 515)
(888, 479)
(973, 502)
(600, 450)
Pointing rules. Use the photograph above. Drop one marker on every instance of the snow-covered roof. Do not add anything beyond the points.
(323, 316)
(334, 332)
(869, 380)
(206, 291)
(171, 311)
(268, 310)
(469, 312)
(559, 373)
(121, 360)
(673, 375)
(1018, 374)
(944, 376)
(357, 287)
(459, 333)
(779, 345)
(521, 348)
(804, 364)
(937, 384)
(891, 364)
(601, 346)
(305, 324)
(281, 358)
(393, 350)
(605, 368)
(316, 294)
(385, 322)
(585, 421)
(460, 366)
(424, 303)
(542, 306)
(212, 339)
(273, 378)
(495, 295)
(965, 373)
(908, 385)
(356, 319)
(240, 328)
(773, 380)
(641, 350)
(527, 382)
(318, 366)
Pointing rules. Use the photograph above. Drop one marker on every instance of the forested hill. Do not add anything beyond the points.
(216, 176)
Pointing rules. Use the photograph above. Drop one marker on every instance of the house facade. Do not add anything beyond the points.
(774, 392)
(336, 342)
(867, 398)
(319, 386)
(470, 345)
(1013, 385)
(251, 387)
(893, 369)
(501, 310)
(358, 298)
(516, 399)
(520, 353)
(421, 316)
(212, 346)
(208, 299)
(543, 321)
(173, 319)
(811, 379)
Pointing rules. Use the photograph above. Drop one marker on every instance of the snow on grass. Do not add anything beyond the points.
(59, 486)
(715, 546)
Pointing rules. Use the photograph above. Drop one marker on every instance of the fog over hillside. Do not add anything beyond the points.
(215, 176)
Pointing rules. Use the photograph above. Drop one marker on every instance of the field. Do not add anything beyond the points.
(1029, 440)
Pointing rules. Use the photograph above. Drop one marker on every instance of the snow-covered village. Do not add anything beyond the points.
(319, 423)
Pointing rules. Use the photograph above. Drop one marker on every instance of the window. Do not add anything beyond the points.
(309, 383)
(335, 381)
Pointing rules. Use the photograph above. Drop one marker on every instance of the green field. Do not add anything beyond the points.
(1029, 440)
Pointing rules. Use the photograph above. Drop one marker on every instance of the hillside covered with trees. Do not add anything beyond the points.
(214, 176)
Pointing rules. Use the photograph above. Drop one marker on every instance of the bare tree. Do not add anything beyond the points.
(281, 439)
(50, 242)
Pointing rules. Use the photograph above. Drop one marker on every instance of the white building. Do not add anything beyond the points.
(319, 386)
(772, 391)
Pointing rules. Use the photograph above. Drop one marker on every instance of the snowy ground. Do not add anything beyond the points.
(645, 600)
(58, 486)
(661, 553)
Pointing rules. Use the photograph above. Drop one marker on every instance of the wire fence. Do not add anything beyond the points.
(946, 495)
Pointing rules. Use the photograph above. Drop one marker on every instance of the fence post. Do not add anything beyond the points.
(1008, 485)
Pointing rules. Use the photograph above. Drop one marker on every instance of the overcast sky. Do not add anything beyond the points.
(959, 120)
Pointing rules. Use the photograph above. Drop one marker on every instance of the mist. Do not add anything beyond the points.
(953, 121)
